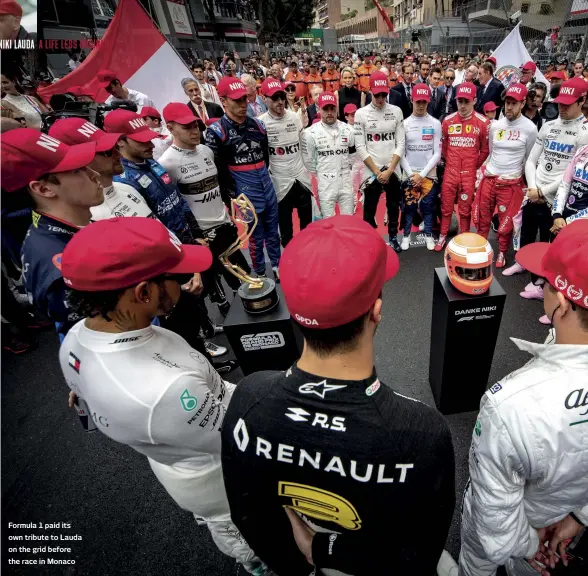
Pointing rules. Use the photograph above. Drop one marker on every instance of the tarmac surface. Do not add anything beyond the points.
(53, 471)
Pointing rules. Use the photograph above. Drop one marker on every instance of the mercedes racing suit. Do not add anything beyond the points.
(323, 448)
(571, 199)
(379, 135)
(528, 459)
(290, 177)
(149, 390)
(242, 157)
(465, 147)
(510, 144)
(327, 151)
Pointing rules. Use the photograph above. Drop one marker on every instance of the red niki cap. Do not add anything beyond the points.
(492, 60)
(421, 92)
(572, 90)
(28, 154)
(326, 99)
(115, 244)
(558, 74)
(529, 66)
(231, 88)
(489, 106)
(130, 124)
(10, 7)
(333, 271)
(149, 111)
(564, 262)
(466, 90)
(78, 131)
(105, 77)
(270, 86)
(379, 83)
(179, 112)
(350, 109)
(517, 91)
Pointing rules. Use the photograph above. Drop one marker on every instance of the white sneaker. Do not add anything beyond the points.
(516, 268)
(422, 226)
(214, 350)
(447, 566)
(405, 245)
(430, 242)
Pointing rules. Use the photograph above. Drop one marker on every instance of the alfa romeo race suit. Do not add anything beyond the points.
(242, 157)
(327, 151)
(571, 200)
(465, 147)
(149, 390)
(510, 144)
(307, 442)
(528, 459)
(121, 200)
(290, 177)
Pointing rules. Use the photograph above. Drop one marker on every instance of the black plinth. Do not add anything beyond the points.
(464, 330)
(267, 341)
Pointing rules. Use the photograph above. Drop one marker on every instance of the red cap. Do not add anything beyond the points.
(466, 90)
(130, 124)
(178, 112)
(517, 91)
(270, 86)
(105, 77)
(379, 83)
(326, 99)
(28, 154)
(212, 121)
(115, 244)
(489, 106)
(571, 90)
(10, 7)
(530, 65)
(231, 88)
(564, 262)
(333, 271)
(492, 60)
(149, 111)
(350, 109)
(558, 74)
(74, 131)
(421, 92)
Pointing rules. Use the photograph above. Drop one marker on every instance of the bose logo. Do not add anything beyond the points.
(567, 90)
(306, 321)
(138, 123)
(48, 142)
(87, 129)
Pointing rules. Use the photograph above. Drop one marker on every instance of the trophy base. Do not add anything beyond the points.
(259, 300)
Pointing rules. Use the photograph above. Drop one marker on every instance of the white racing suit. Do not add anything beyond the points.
(329, 152)
(528, 460)
(571, 199)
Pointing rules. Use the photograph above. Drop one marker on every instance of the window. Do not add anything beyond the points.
(525, 8)
(545, 9)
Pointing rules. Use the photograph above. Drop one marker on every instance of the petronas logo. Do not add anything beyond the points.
(478, 428)
(188, 401)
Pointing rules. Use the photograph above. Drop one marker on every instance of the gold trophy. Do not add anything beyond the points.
(257, 294)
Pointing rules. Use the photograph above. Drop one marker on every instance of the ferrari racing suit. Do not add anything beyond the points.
(150, 390)
(571, 199)
(528, 460)
(327, 151)
(242, 157)
(465, 147)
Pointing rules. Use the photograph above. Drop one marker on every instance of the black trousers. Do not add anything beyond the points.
(393, 199)
(299, 197)
(536, 218)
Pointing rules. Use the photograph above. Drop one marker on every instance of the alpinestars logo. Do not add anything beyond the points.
(319, 388)
(298, 414)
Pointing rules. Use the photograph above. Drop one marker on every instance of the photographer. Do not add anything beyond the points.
(110, 82)
(534, 103)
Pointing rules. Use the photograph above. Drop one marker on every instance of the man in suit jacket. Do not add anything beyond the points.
(401, 94)
(436, 106)
(447, 94)
(204, 110)
(490, 89)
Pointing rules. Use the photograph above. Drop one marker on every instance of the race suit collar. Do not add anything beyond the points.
(112, 342)
(297, 374)
(568, 354)
(189, 150)
(132, 164)
(43, 221)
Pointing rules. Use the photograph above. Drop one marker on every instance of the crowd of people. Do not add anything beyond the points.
(121, 231)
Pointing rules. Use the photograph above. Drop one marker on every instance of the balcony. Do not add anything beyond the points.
(490, 12)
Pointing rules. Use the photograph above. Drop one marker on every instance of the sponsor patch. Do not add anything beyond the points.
(372, 388)
(496, 388)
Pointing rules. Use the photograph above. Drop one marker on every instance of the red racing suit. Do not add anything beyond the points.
(464, 148)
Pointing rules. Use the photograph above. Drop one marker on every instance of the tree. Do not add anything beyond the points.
(284, 18)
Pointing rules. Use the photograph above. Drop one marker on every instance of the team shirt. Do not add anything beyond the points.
(510, 144)
(571, 200)
(422, 149)
(196, 176)
(121, 200)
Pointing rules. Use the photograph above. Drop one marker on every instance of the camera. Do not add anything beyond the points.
(93, 112)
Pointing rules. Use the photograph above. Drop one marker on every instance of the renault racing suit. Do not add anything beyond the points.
(510, 144)
(327, 151)
(571, 199)
(528, 460)
(290, 177)
(379, 135)
(148, 389)
(242, 158)
(464, 148)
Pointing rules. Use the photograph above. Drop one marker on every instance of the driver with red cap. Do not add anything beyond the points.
(529, 456)
(325, 449)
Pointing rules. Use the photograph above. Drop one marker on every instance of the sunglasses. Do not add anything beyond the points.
(106, 153)
(449, 77)
(277, 97)
(291, 89)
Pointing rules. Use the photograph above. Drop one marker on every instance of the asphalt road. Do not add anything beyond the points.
(53, 471)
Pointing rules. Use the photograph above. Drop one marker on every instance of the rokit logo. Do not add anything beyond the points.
(335, 423)
(380, 137)
(262, 341)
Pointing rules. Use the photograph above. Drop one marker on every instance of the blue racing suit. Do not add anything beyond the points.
(155, 185)
(242, 157)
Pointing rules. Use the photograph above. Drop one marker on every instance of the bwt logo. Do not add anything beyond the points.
(559, 147)
(138, 123)
(281, 150)
(379, 137)
(567, 90)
